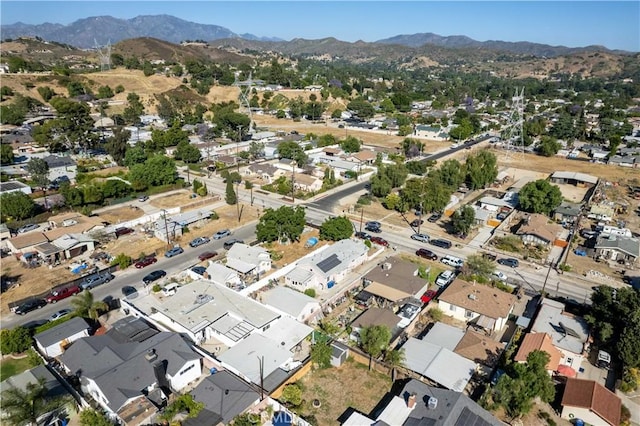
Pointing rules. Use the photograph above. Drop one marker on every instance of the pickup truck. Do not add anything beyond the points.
(62, 293)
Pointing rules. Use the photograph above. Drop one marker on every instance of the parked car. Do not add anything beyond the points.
(228, 244)
(420, 237)
(445, 278)
(445, 244)
(200, 270)
(62, 293)
(380, 241)
(95, 280)
(28, 227)
(428, 296)
(207, 255)
(123, 231)
(30, 305)
(456, 262)
(60, 314)
(174, 251)
(69, 222)
(221, 234)
(363, 235)
(145, 261)
(509, 261)
(489, 256)
(427, 254)
(143, 198)
(154, 276)
(434, 217)
(416, 222)
(373, 226)
(500, 276)
(199, 241)
(129, 292)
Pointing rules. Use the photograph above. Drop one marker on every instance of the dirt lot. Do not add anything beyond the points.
(173, 200)
(337, 389)
(121, 214)
(287, 253)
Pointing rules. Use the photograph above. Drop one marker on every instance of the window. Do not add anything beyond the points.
(452, 308)
(187, 369)
(569, 361)
(468, 314)
(266, 327)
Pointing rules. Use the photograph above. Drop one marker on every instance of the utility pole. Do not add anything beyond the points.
(166, 227)
(293, 181)
(261, 361)
(361, 218)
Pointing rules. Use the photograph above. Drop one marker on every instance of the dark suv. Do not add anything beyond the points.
(445, 244)
(30, 305)
(229, 243)
(154, 276)
(509, 261)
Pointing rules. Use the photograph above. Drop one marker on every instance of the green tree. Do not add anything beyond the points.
(481, 169)
(539, 196)
(411, 147)
(73, 197)
(182, 404)
(292, 394)
(350, 144)
(14, 340)
(321, 354)
(12, 114)
(374, 340)
(156, 171)
(46, 93)
(187, 152)
(394, 358)
(25, 406)
(450, 173)
(479, 265)
(230, 194)
(135, 155)
(629, 344)
(105, 92)
(548, 146)
(73, 124)
(336, 229)
(39, 171)
(134, 108)
(118, 144)
(90, 417)
(16, 206)
(463, 219)
(85, 306)
(245, 419)
(362, 108)
(293, 151)
(284, 224)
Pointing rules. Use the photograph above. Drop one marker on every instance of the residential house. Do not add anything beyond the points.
(364, 157)
(483, 306)
(569, 334)
(439, 364)
(567, 212)
(224, 396)
(430, 132)
(14, 186)
(223, 275)
(536, 229)
(617, 248)
(205, 310)
(132, 365)
(307, 183)
(55, 389)
(247, 259)
(26, 243)
(53, 342)
(394, 280)
(420, 404)
(591, 402)
(327, 266)
(61, 166)
(73, 245)
(574, 178)
(539, 342)
(264, 171)
(293, 303)
(623, 161)
(376, 317)
(494, 204)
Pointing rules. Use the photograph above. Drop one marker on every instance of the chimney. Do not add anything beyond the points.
(411, 402)
(151, 355)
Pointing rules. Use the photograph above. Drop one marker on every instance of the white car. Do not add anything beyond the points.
(445, 278)
(456, 262)
(60, 314)
(500, 276)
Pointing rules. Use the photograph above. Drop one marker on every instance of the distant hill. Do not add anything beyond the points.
(520, 47)
(84, 32)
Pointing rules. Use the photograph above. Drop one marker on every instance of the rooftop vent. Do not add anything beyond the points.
(386, 266)
(473, 297)
(202, 299)
(432, 403)
(151, 355)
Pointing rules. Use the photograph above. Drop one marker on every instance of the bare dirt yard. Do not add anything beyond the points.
(287, 253)
(121, 214)
(337, 389)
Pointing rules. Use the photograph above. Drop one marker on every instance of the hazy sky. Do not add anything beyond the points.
(613, 24)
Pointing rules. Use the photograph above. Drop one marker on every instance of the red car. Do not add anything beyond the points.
(145, 262)
(207, 255)
(427, 254)
(380, 241)
(428, 296)
(62, 293)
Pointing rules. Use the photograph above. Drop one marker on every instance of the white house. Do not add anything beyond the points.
(61, 166)
(247, 259)
(291, 302)
(486, 307)
(220, 274)
(53, 342)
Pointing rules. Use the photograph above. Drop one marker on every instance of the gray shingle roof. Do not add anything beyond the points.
(55, 161)
(61, 331)
(630, 246)
(225, 394)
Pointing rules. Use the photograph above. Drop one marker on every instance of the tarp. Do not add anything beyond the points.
(565, 370)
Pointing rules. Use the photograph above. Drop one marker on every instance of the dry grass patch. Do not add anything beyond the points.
(337, 389)
(176, 199)
(288, 253)
(121, 214)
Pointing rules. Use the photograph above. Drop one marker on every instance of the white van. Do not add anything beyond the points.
(456, 262)
(170, 289)
(445, 278)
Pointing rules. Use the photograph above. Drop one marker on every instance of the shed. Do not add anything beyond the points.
(54, 341)
(339, 354)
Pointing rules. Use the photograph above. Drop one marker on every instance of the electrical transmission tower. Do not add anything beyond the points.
(245, 87)
(104, 54)
(513, 132)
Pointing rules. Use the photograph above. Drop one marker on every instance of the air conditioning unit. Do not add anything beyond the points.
(432, 403)
(386, 266)
(473, 297)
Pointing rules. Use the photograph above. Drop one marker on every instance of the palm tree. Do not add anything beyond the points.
(23, 407)
(395, 358)
(86, 307)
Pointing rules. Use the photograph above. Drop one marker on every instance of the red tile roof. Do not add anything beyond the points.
(592, 395)
(539, 342)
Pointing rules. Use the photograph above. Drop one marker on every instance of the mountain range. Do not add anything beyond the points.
(85, 33)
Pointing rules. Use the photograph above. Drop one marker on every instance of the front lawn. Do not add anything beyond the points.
(10, 367)
(337, 389)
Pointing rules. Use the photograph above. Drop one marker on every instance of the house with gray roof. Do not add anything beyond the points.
(247, 259)
(54, 341)
(204, 309)
(264, 171)
(419, 404)
(292, 303)
(328, 265)
(222, 275)
(61, 166)
(573, 178)
(224, 396)
(623, 161)
(618, 248)
(567, 212)
(14, 186)
(119, 370)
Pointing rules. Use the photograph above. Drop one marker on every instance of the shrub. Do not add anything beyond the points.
(292, 394)
(156, 288)
(435, 314)
(122, 260)
(310, 292)
(14, 340)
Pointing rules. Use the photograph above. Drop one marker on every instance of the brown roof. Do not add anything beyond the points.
(479, 348)
(377, 316)
(396, 283)
(539, 342)
(306, 179)
(365, 155)
(592, 395)
(332, 150)
(482, 299)
(29, 239)
(539, 225)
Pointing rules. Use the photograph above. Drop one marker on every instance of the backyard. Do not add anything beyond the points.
(350, 386)
(11, 366)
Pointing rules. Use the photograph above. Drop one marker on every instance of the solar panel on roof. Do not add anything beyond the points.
(329, 263)
(469, 418)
